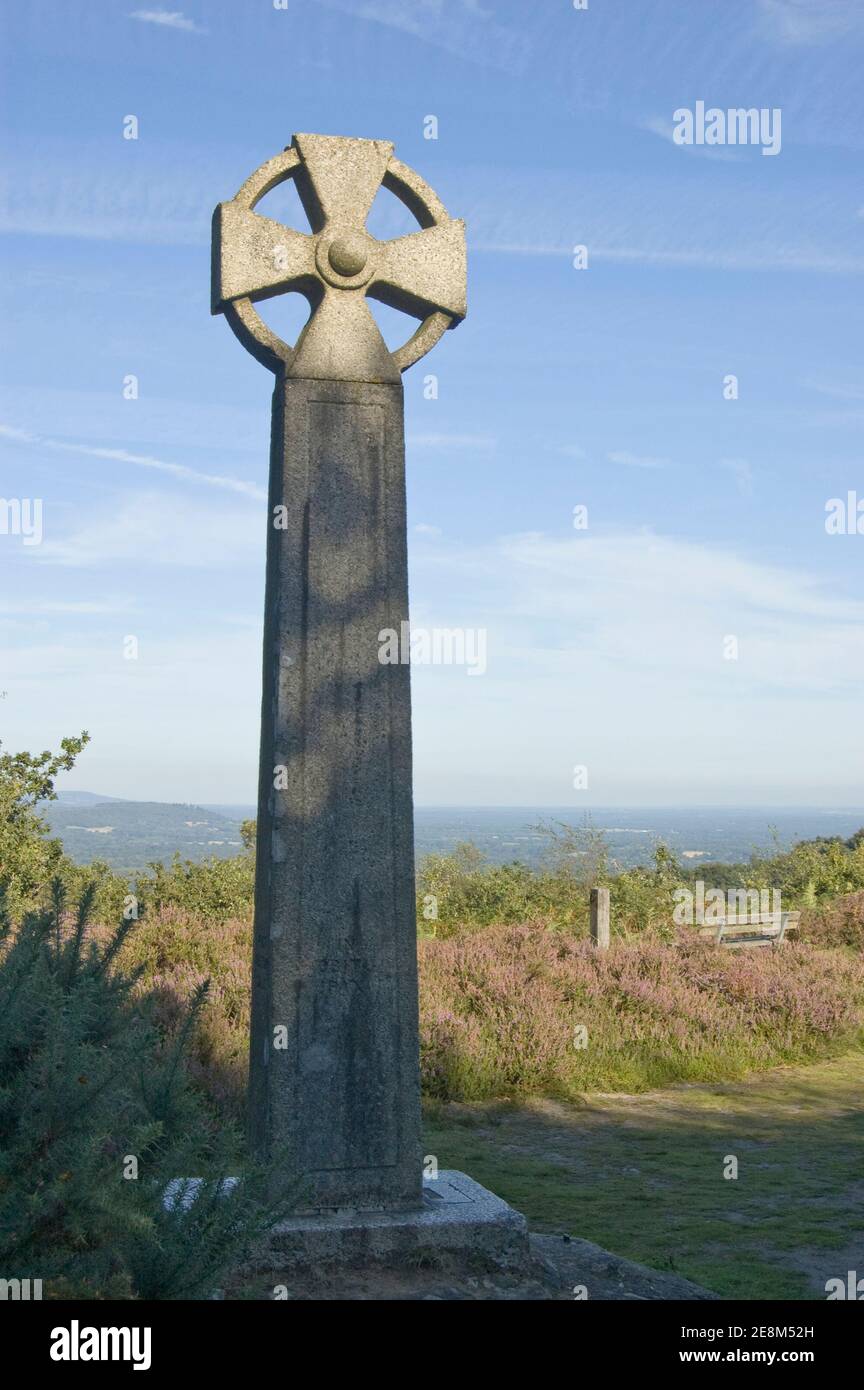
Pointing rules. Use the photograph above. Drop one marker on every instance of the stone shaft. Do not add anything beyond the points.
(334, 1071)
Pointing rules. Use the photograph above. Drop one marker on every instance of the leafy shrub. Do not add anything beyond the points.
(811, 873)
(465, 891)
(468, 893)
(217, 889)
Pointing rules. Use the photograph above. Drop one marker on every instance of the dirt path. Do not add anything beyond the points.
(644, 1175)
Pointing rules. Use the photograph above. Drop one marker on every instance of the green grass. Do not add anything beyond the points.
(643, 1175)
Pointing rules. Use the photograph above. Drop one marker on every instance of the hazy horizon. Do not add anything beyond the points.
(573, 808)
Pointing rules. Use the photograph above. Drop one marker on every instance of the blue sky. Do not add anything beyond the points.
(601, 387)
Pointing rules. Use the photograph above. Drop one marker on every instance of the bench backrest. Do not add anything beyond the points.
(772, 926)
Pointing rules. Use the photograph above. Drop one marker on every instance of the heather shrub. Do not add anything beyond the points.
(511, 976)
(502, 1010)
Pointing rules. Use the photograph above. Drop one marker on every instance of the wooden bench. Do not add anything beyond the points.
(752, 929)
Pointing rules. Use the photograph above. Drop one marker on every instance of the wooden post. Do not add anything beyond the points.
(600, 918)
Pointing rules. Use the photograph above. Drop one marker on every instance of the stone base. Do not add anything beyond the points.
(458, 1218)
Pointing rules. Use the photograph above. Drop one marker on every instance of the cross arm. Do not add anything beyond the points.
(424, 272)
(255, 257)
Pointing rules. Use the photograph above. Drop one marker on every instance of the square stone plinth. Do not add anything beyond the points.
(458, 1218)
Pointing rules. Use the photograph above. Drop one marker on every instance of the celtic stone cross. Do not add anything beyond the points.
(334, 1088)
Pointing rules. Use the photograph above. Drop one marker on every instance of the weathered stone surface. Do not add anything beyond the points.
(460, 1266)
(338, 263)
(335, 965)
(580, 1264)
(457, 1217)
(334, 1063)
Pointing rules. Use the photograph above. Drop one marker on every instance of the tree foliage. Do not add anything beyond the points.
(28, 857)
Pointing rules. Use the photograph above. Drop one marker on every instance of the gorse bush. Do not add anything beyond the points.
(97, 1117)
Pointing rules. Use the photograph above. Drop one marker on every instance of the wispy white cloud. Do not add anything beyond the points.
(607, 649)
(699, 258)
(77, 193)
(465, 28)
(808, 22)
(176, 470)
(165, 697)
(150, 529)
(168, 19)
(619, 594)
(451, 441)
(623, 456)
(742, 473)
(37, 608)
(842, 391)
(188, 427)
(663, 126)
(675, 216)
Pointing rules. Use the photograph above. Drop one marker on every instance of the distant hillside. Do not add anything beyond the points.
(129, 834)
(83, 798)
